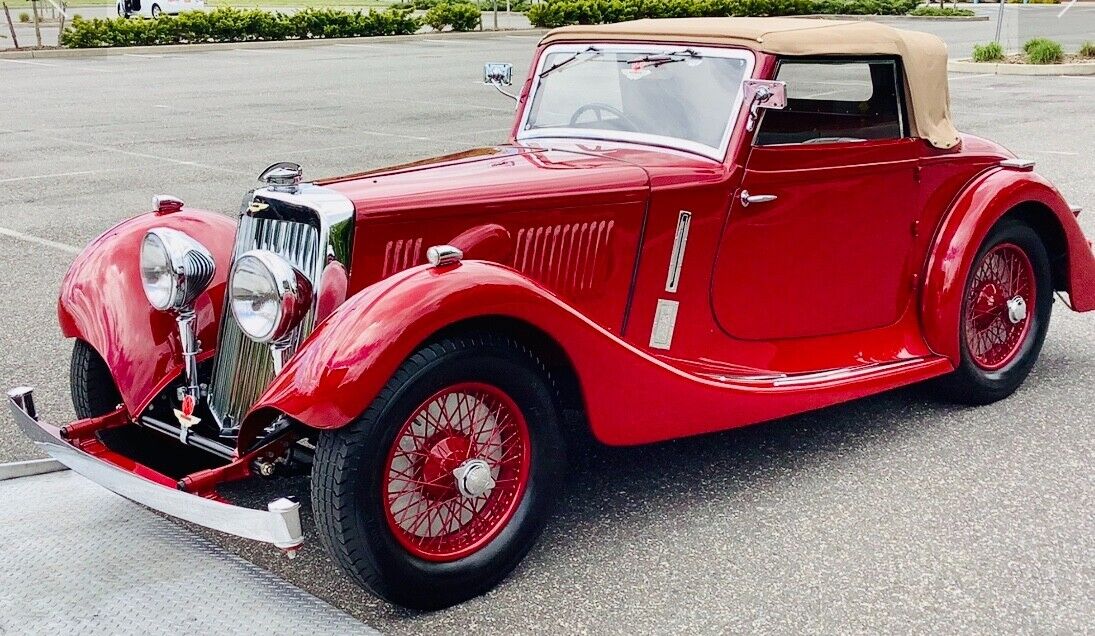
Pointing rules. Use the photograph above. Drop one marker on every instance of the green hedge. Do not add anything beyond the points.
(227, 24)
(944, 12)
(556, 13)
(461, 16)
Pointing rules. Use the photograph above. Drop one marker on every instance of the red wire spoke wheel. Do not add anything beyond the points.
(1006, 308)
(456, 471)
(1000, 297)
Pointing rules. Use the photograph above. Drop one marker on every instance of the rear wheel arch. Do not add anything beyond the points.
(1045, 223)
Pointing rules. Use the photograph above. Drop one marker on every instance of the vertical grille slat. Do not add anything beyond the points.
(243, 368)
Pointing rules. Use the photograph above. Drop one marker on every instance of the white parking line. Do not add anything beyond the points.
(360, 46)
(56, 174)
(153, 57)
(64, 247)
(144, 155)
(82, 68)
(963, 77)
(374, 133)
(1053, 152)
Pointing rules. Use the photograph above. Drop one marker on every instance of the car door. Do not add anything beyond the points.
(820, 231)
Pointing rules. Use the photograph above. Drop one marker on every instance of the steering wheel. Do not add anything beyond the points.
(599, 108)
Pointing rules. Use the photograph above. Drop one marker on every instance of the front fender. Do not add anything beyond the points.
(102, 302)
(976, 210)
(349, 358)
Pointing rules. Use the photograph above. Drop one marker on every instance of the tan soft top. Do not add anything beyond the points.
(924, 55)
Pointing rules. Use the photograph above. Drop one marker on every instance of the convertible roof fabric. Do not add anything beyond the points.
(924, 55)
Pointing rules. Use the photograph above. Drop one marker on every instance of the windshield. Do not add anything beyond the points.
(678, 96)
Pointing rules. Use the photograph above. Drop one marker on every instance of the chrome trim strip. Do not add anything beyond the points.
(676, 257)
(279, 525)
(1018, 164)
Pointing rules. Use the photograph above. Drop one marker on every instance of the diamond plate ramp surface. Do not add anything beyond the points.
(77, 559)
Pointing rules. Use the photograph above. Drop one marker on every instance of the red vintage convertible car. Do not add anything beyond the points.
(696, 225)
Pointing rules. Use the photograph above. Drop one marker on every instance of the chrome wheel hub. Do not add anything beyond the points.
(1017, 310)
(473, 478)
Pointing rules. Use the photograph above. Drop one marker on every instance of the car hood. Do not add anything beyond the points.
(495, 178)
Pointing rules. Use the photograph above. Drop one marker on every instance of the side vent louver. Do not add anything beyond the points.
(402, 254)
(570, 258)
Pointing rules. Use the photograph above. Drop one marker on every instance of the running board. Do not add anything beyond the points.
(830, 377)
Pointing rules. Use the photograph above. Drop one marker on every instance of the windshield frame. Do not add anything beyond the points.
(652, 48)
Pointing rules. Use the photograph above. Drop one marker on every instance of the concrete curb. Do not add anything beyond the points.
(890, 18)
(15, 470)
(278, 44)
(967, 66)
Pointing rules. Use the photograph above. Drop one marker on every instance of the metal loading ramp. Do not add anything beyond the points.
(77, 559)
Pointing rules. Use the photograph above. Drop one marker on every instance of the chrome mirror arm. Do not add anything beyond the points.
(498, 87)
(762, 95)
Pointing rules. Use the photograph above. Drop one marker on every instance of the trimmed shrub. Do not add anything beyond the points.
(1046, 52)
(461, 16)
(24, 17)
(555, 13)
(1033, 42)
(946, 12)
(991, 52)
(1087, 49)
(228, 24)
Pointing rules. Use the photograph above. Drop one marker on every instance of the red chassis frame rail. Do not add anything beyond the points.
(76, 447)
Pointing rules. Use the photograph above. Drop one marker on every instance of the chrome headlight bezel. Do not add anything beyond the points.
(267, 295)
(174, 268)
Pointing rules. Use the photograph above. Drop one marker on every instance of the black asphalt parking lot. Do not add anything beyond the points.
(891, 514)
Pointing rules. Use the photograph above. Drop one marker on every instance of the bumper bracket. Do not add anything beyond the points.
(279, 524)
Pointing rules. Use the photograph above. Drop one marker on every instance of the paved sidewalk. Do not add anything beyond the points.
(80, 560)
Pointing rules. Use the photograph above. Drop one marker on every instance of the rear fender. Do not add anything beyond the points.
(976, 210)
(102, 302)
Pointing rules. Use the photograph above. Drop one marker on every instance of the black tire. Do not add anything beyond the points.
(974, 385)
(92, 385)
(349, 469)
(156, 11)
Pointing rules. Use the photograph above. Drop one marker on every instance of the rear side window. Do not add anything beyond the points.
(836, 100)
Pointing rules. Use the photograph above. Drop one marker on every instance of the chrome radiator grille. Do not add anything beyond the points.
(243, 368)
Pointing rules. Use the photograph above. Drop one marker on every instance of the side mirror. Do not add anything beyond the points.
(763, 94)
(499, 74)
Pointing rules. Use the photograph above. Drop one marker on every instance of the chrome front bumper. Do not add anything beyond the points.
(279, 525)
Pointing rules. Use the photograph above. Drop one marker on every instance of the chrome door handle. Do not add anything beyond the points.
(747, 198)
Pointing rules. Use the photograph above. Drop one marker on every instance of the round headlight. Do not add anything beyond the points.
(174, 268)
(268, 296)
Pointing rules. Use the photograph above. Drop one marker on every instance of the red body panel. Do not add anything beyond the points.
(630, 396)
(847, 285)
(102, 302)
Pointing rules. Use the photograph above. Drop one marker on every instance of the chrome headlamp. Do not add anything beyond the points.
(268, 295)
(175, 268)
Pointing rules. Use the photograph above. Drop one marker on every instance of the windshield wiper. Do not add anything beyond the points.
(559, 65)
(665, 58)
